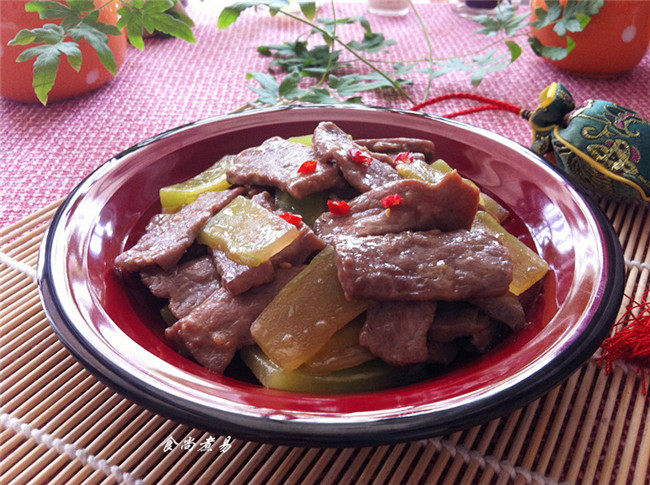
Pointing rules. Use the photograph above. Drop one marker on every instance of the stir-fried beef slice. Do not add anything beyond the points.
(333, 144)
(220, 326)
(306, 244)
(166, 238)
(396, 331)
(421, 149)
(430, 265)
(238, 278)
(457, 320)
(441, 353)
(506, 308)
(451, 204)
(276, 163)
(157, 220)
(186, 286)
(265, 199)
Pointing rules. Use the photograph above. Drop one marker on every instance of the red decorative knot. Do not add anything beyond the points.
(404, 157)
(338, 207)
(391, 201)
(360, 156)
(308, 167)
(631, 342)
(291, 218)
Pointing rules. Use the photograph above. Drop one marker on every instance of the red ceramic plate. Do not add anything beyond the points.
(111, 328)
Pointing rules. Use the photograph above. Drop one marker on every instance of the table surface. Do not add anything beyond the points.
(592, 427)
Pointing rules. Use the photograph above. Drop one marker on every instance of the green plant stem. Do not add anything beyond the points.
(471, 53)
(354, 53)
(329, 61)
(429, 47)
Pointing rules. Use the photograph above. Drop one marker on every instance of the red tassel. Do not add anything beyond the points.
(632, 342)
(489, 104)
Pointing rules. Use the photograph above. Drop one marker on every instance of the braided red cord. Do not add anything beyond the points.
(490, 104)
(477, 109)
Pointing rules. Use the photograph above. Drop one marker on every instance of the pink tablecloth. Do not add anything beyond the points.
(46, 151)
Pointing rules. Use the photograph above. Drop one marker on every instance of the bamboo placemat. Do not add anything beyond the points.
(61, 425)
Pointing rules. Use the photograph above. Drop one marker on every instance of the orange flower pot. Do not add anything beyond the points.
(613, 42)
(16, 77)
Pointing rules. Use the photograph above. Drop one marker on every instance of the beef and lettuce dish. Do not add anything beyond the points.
(332, 264)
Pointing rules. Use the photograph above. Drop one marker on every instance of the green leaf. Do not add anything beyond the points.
(505, 19)
(295, 56)
(478, 75)
(131, 18)
(99, 41)
(231, 13)
(108, 29)
(269, 92)
(570, 44)
(82, 5)
(50, 10)
(158, 6)
(308, 8)
(23, 37)
(72, 52)
(170, 25)
(372, 42)
(515, 50)
(583, 20)
(45, 69)
(445, 67)
(49, 33)
(319, 96)
(576, 15)
(550, 52)
(357, 83)
(289, 84)
(548, 16)
(46, 66)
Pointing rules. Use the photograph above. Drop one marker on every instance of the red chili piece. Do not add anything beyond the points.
(391, 201)
(291, 218)
(360, 157)
(308, 167)
(338, 207)
(404, 157)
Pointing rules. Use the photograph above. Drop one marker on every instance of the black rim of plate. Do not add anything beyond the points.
(338, 434)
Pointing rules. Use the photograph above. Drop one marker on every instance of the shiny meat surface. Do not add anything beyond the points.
(506, 309)
(220, 326)
(166, 238)
(186, 286)
(276, 163)
(422, 266)
(394, 146)
(448, 205)
(306, 244)
(396, 331)
(238, 278)
(457, 320)
(331, 144)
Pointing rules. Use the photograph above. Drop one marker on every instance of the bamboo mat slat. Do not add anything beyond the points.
(61, 425)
